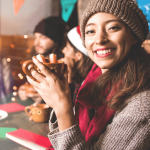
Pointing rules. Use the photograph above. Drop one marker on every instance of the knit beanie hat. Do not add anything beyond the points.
(74, 36)
(126, 10)
(52, 27)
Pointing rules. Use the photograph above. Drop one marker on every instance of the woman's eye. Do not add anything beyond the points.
(89, 31)
(113, 28)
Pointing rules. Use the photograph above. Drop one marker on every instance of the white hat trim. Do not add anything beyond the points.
(75, 39)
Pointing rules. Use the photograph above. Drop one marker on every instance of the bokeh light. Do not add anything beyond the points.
(28, 50)
(14, 93)
(8, 59)
(19, 75)
(25, 36)
(13, 99)
(12, 45)
(14, 88)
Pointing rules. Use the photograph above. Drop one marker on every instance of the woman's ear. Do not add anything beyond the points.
(78, 56)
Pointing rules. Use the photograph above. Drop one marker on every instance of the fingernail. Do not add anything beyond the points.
(34, 57)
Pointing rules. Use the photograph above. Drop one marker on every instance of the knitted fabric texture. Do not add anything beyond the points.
(126, 10)
(129, 130)
(52, 27)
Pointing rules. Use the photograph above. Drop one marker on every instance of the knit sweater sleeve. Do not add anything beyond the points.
(129, 130)
(53, 124)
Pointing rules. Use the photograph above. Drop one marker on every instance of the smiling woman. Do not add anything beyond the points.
(104, 41)
(112, 107)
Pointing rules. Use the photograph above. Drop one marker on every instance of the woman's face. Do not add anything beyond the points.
(68, 51)
(108, 40)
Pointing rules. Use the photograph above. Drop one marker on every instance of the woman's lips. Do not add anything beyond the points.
(103, 52)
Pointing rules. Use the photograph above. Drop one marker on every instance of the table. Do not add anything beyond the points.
(21, 120)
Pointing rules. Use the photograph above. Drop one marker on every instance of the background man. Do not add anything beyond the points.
(49, 35)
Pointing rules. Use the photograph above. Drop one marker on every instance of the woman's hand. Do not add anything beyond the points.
(55, 93)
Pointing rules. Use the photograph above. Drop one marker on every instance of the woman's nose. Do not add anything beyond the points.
(101, 37)
(64, 50)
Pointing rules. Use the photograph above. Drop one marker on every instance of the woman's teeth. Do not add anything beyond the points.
(103, 52)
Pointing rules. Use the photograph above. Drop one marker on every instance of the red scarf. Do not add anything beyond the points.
(91, 123)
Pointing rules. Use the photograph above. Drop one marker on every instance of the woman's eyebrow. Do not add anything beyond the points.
(108, 21)
(89, 24)
(114, 20)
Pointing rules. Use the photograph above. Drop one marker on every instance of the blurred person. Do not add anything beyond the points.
(6, 80)
(77, 60)
(49, 38)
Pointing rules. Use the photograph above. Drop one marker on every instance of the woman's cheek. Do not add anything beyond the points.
(87, 43)
(89, 40)
(89, 48)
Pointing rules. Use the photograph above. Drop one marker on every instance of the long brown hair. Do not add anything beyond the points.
(121, 82)
(82, 68)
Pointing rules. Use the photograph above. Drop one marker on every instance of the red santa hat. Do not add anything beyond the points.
(74, 35)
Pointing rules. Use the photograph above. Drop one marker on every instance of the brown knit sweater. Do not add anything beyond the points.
(129, 130)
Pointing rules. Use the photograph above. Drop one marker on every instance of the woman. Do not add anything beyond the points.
(77, 60)
(113, 103)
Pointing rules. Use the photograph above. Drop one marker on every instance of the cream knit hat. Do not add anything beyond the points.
(126, 10)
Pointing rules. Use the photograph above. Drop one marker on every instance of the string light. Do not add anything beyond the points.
(25, 36)
(19, 75)
(14, 88)
(28, 50)
(12, 45)
(14, 93)
(8, 59)
(13, 99)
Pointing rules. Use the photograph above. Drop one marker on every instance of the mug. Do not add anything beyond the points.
(57, 68)
(38, 112)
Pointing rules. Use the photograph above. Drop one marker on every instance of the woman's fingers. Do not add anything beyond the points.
(43, 68)
(40, 78)
(34, 83)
